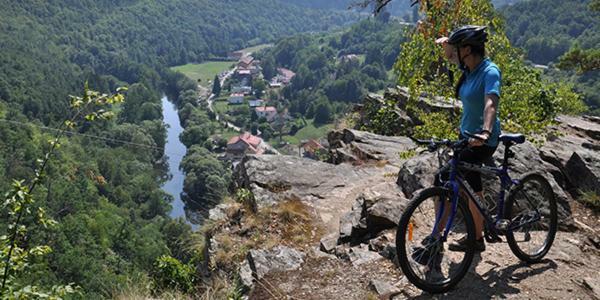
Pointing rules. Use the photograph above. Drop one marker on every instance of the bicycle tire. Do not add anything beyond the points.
(547, 194)
(401, 233)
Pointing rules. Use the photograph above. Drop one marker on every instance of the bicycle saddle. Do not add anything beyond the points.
(516, 138)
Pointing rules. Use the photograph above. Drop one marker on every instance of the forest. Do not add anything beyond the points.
(547, 29)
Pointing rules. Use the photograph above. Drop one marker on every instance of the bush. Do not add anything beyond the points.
(172, 274)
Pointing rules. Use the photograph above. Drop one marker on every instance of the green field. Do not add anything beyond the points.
(256, 48)
(221, 106)
(310, 131)
(204, 71)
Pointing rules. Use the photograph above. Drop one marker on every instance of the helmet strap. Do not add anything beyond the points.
(461, 62)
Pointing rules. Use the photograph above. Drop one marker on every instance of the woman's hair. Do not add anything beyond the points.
(478, 50)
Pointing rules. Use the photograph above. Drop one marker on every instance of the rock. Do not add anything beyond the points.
(274, 178)
(342, 251)
(417, 173)
(246, 275)
(584, 173)
(376, 209)
(588, 125)
(354, 145)
(400, 122)
(280, 258)
(383, 288)
(593, 284)
(223, 211)
(353, 224)
(328, 242)
(359, 256)
(384, 203)
(379, 243)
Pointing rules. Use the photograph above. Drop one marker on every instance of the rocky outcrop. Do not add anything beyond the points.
(396, 101)
(272, 178)
(376, 209)
(350, 145)
(575, 151)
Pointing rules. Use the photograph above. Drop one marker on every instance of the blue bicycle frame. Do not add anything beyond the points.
(456, 182)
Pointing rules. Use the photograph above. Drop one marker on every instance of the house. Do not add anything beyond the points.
(268, 112)
(246, 90)
(235, 55)
(311, 148)
(256, 103)
(244, 72)
(245, 143)
(236, 98)
(246, 62)
(275, 84)
(284, 75)
(348, 57)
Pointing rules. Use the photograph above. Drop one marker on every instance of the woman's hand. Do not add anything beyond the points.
(480, 139)
(449, 50)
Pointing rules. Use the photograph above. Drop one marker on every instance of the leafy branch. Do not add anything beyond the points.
(19, 202)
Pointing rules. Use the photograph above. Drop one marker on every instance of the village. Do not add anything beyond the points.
(244, 96)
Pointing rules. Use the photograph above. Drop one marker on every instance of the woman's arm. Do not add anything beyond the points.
(489, 112)
(489, 117)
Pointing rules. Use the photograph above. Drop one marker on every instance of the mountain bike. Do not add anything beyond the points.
(439, 215)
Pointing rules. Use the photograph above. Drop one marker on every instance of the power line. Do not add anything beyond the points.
(93, 137)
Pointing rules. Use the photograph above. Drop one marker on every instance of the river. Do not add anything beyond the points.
(175, 151)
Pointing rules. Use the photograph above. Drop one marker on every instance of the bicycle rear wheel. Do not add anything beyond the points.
(424, 257)
(532, 211)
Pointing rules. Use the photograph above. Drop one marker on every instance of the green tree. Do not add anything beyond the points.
(323, 113)
(216, 86)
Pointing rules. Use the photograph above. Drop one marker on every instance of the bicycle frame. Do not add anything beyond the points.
(456, 182)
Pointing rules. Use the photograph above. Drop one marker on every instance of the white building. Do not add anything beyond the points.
(268, 112)
(236, 98)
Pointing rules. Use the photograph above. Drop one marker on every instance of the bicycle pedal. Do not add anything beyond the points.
(502, 224)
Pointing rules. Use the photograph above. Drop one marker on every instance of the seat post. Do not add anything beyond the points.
(507, 153)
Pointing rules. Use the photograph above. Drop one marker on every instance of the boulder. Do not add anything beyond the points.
(383, 288)
(376, 209)
(584, 172)
(280, 258)
(353, 145)
(328, 242)
(361, 255)
(417, 173)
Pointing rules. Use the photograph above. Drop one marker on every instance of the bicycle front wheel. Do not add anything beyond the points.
(422, 253)
(532, 211)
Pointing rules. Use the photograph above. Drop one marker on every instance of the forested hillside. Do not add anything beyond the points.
(103, 187)
(547, 29)
(50, 48)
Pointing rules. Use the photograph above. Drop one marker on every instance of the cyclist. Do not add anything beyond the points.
(479, 91)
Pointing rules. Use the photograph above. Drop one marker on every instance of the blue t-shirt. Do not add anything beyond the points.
(484, 80)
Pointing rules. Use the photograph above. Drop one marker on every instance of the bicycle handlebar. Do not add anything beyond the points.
(433, 145)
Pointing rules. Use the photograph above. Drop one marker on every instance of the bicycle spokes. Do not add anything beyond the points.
(428, 253)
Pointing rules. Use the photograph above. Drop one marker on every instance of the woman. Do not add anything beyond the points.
(479, 91)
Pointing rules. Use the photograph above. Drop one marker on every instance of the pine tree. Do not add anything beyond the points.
(216, 86)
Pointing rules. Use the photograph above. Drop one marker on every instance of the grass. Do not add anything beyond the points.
(205, 71)
(310, 131)
(590, 199)
(256, 48)
(221, 106)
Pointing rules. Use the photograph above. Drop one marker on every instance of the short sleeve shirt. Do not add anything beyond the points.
(484, 80)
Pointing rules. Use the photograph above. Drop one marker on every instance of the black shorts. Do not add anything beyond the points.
(473, 155)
